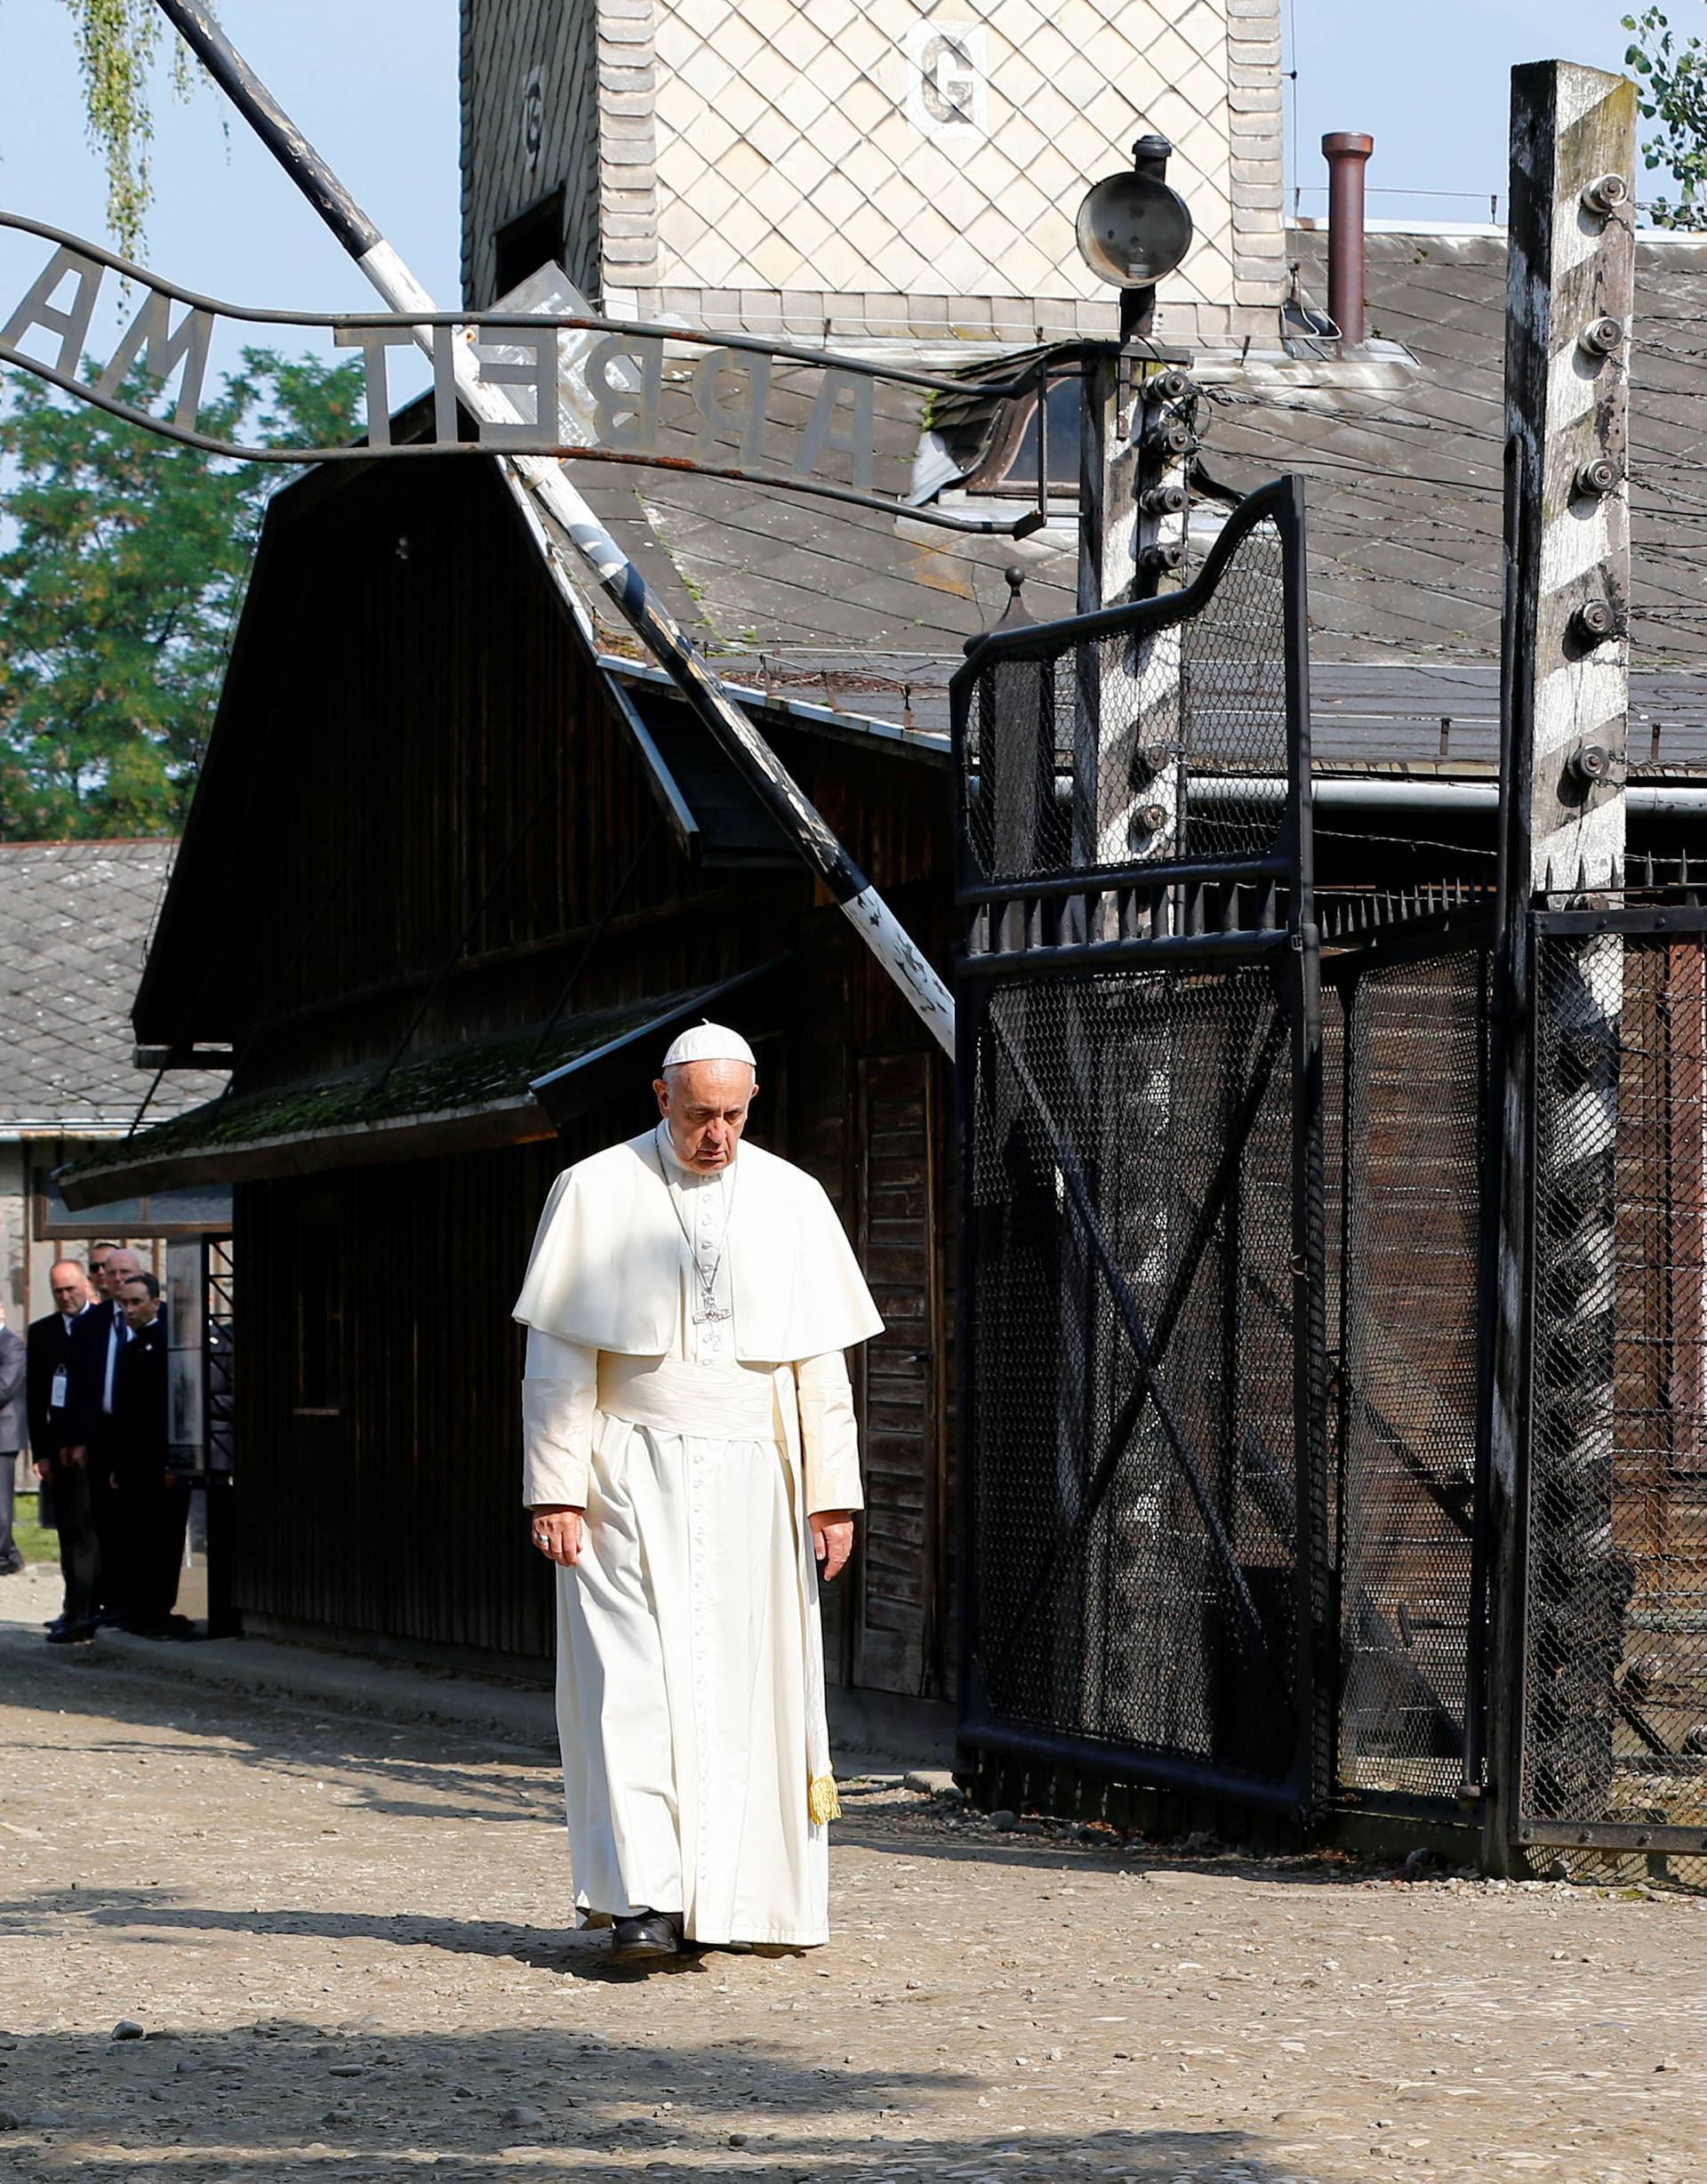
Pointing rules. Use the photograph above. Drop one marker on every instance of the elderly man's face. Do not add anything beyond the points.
(705, 1104)
(121, 1264)
(70, 1290)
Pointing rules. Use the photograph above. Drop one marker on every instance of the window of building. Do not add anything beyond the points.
(532, 239)
(1011, 465)
(989, 446)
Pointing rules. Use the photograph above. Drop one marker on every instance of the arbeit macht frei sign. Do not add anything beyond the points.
(574, 385)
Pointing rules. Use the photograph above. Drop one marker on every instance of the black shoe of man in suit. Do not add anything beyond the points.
(71, 1635)
(648, 1933)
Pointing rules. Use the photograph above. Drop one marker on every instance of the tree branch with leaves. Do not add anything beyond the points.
(1670, 72)
(118, 43)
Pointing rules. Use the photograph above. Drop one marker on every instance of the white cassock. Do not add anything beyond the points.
(686, 1384)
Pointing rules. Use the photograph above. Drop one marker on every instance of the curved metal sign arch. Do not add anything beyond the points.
(578, 387)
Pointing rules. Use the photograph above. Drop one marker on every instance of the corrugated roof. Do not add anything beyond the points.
(75, 921)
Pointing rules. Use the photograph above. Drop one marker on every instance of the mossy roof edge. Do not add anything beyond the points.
(480, 1074)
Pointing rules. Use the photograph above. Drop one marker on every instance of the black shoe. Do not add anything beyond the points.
(648, 1933)
(10, 1569)
(57, 1624)
(66, 1633)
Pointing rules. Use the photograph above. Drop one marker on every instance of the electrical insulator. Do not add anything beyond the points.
(1167, 387)
(1603, 336)
(1153, 818)
(1163, 501)
(1594, 622)
(1169, 435)
(1609, 193)
(1591, 763)
(1597, 477)
(1162, 557)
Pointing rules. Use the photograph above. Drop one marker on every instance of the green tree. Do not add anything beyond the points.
(124, 567)
(1671, 72)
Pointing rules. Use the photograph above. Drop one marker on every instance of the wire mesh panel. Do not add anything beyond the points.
(1130, 1365)
(1614, 1717)
(1129, 745)
(1415, 1048)
(1142, 1424)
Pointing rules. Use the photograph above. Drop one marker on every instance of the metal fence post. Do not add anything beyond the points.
(1565, 697)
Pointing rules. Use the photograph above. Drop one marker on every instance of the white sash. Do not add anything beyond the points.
(671, 1397)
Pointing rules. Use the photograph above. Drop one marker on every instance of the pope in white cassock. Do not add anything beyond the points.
(691, 1464)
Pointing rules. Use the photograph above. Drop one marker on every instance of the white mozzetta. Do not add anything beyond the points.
(606, 1267)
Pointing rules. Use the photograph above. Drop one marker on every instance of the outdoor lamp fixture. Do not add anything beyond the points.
(1133, 230)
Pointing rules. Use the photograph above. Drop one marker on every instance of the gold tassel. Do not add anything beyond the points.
(822, 1804)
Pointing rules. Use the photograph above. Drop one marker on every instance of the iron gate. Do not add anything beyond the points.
(1223, 1247)
(1145, 1407)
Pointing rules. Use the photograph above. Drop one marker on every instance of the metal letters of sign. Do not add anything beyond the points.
(576, 385)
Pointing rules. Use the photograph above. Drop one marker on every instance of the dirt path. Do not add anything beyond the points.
(345, 1943)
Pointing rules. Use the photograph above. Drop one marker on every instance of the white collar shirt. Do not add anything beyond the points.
(118, 1334)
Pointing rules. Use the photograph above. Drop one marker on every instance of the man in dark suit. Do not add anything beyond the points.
(150, 1502)
(48, 1386)
(97, 1343)
(11, 1439)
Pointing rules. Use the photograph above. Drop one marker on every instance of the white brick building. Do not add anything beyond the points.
(874, 167)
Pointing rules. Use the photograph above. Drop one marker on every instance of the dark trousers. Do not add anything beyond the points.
(109, 1528)
(146, 1526)
(79, 1552)
(10, 1558)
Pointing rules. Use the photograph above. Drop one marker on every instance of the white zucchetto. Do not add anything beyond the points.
(711, 1042)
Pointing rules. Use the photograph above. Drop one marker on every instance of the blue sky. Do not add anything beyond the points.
(1431, 84)
(373, 82)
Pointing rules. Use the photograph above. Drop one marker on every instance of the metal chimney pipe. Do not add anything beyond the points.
(1347, 153)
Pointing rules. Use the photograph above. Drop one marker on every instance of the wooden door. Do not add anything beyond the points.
(898, 1633)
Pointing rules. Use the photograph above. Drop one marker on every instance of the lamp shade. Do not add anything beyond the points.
(1132, 229)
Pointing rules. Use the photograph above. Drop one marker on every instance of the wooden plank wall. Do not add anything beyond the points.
(902, 1541)
(439, 743)
(394, 1516)
(394, 1520)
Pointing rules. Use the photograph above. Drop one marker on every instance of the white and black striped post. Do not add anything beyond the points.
(1128, 782)
(546, 479)
(1566, 695)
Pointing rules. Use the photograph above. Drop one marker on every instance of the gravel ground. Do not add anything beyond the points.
(342, 1942)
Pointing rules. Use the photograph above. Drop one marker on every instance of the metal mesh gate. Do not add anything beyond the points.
(1143, 1425)
(1220, 1396)
(1614, 1720)
(1132, 1376)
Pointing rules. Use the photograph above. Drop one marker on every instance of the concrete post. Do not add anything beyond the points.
(1565, 702)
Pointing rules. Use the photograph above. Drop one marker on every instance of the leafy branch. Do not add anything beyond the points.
(1672, 80)
(117, 42)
